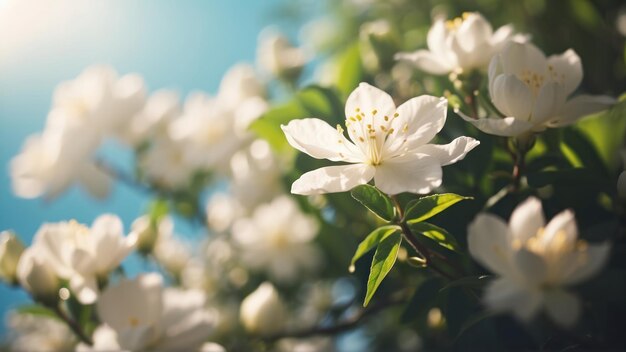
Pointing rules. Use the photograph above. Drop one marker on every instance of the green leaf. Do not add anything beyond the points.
(321, 103)
(470, 281)
(35, 309)
(268, 125)
(350, 69)
(427, 207)
(383, 261)
(372, 240)
(374, 200)
(437, 234)
(584, 152)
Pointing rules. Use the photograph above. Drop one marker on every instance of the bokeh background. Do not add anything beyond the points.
(185, 47)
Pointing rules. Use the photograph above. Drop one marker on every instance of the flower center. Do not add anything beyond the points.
(454, 24)
(370, 131)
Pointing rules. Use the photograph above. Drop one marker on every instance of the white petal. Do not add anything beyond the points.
(85, 288)
(501, 36)
(517, 57)
(531, 267)
(512, 97)
(562, 307)
(104, 339)
(585, 264)
(367, 98)
(319, 140)
(487, 240)
(581, 106)
(474, 32)
(436, 40)
(506, 295)
(561, 230)
(420, 174)
(426, 61)
(449, 153)
(549, 102)
(526, 220)
(333, 179)
(507, 127)
(418, 121)
(568, 70)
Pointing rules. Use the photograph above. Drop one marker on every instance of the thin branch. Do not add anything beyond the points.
(72, 324)
(344, 325)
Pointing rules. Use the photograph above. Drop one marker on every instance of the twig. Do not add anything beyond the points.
(72, 324)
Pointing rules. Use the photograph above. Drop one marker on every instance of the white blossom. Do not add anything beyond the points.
(161, 108)
(263, 311)
(36, 275)
(30, 332)
(534, 262)
(164, 164)
(75, 252)
(11, 249)
(140, 314)
(276, 55)
(278, 238)
(387, 144)
(459, 45)
(171, 252)
(533, 91)
(148, 233)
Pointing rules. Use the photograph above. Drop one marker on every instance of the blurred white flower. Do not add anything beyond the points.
(276, 55)
(166, 165)
(29, 332)
(211, 347)
(311, 344)
(50, 162)
(278, 239)
(534, 261)
(75, 252)
(459, 45)
(222, 210)
(148, 233)
(256, 175)
(263, 311)
(171, 252)
(161, 108)
(140, 314)
(239, 84)
(36, 275)
(532, 91)
(387, 144)
(11, 249)
(100, 99)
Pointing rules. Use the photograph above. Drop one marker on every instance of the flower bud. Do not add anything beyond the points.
(263, 312)
(37, 277)
(148, 232)
(11, 249)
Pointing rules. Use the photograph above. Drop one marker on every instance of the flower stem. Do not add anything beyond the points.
(72, 324)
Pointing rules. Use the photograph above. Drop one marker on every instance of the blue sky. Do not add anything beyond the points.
(182, 45)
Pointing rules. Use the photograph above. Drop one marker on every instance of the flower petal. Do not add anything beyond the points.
(418, 121)
(563, 307)
(584, 264)
(418, 174)
(319, 140)
(566, 69)
(581, 106)
(517, 57)
(512, 97)
(549, 102)
(561, 231)
(501, 36)
(487, 240)
(473, 32)
(366, 99)
(526, 220)
(426, 61)
(504, 294)
(531, 267)
(333, 179)
(449, 153)
(85, 288)
(507, 127)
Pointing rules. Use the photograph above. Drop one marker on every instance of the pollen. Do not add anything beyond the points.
(386, 118)
(396, 115)
(374, 112)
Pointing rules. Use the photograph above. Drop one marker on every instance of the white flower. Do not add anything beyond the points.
(459, 45)
(30, 332)
(153, 120)
(222, 210)
(165, 163)
(100, 99)
(148, 233)
(534, 261)
(171, 252)
(277, 238)
(532, 91)
(49, 163)
(263, 311)
(76, 252)
(140, 314)
(255, 174)
(276, 55)
(388, 145)
(36, 275)
(11, 249)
